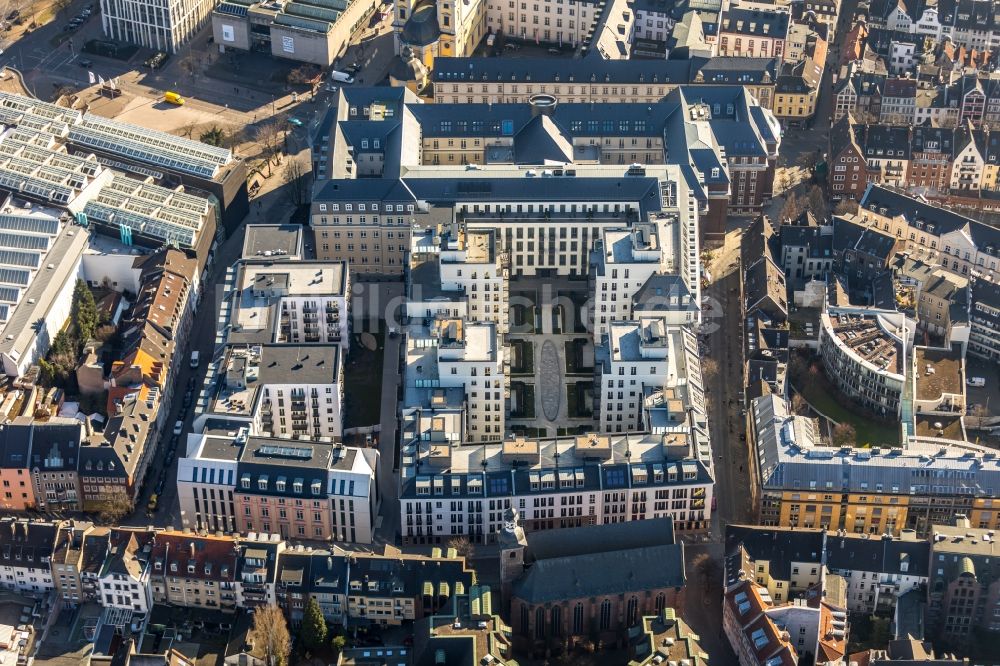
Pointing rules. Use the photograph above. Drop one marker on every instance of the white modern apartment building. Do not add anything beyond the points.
(473, 265)
(553, 483)
(206, 479)
(623, 261)
(279, 390)
(651, 380)
(161, 25)
(461, 365)
(458, 275)
(864, 353)
(291, 302)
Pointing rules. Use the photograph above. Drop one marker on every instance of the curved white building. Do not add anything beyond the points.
(863, 354)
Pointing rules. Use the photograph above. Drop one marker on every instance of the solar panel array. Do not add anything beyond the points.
(24, 241)
(159, 212)
(52, 175)
(316, 25)
(15, 276)
(299, 452)
(160, 148)
(232, 9)
(312, 11)
(11, 104)
(35, 225)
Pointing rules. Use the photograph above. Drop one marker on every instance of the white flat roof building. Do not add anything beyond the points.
(40, 259)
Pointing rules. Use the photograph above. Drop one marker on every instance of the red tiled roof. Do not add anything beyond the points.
(201, 557)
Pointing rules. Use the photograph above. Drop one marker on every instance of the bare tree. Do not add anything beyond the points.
(268, 135)
(817, 203)
(462, 545)
(63, 91)
(237, 135)
(783, 181)
(189, 129)
(792, 207)
(844, 434)
(270, 637)
(846, 207)
(806, 161)
(709, 367)
(191, 64)
(709, 569)
(799, 404)
(296, 182)
(979, 415)
(60, 5)
(114, 509)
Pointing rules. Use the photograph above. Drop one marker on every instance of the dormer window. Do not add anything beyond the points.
(245, 482)
(262, 482)
(208, 568)
(317, 488)
(173, 567)
(280, 484)
(191, 567)
(297, 486)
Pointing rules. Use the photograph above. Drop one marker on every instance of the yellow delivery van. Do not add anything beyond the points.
(173, 98)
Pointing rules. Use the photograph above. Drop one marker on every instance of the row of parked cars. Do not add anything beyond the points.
(175, 437)
(80, 18)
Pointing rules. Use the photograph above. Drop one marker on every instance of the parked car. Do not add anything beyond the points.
(179, 427)
(85, 63)
(554, 51)
(511, 46)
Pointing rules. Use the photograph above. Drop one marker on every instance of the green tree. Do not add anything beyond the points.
(215, 136)
(46, 373)
(338, 644)
(84, 312)
(313, 633)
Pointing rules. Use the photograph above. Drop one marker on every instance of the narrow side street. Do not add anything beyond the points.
(725, 349)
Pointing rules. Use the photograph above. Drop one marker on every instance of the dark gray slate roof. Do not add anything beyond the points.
(549, 544)
(777, 546)
(598, 574)
(887, 556)
(422, 27)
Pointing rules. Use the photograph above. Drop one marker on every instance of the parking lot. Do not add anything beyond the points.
(989, 395)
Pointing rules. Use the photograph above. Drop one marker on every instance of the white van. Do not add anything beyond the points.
(341, 77)
(976, 381)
